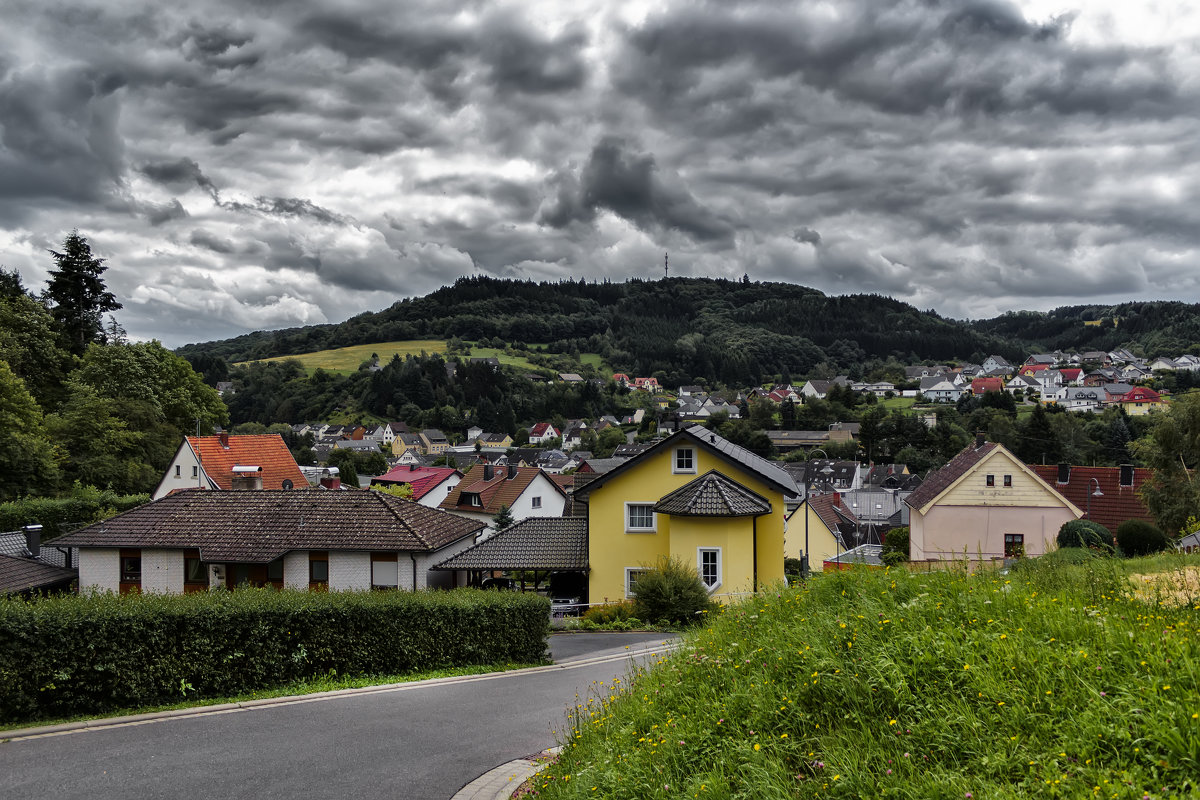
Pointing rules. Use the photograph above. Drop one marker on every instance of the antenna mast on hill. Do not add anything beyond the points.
(665, 266)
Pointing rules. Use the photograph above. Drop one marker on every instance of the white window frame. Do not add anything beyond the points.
(700, 552)
(629, 594)
(653, 519)
(535, 502)
(675, 454)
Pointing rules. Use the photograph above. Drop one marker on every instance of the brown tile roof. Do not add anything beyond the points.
(1118, 503)
(500, 490)
(713, 495)
(261, 526)
(941, 480)
(260, 450)
(534, 543)
(28, 574)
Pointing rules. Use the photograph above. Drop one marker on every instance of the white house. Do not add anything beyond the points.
(485, 489)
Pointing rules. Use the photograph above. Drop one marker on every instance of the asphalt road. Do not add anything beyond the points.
(422, 741)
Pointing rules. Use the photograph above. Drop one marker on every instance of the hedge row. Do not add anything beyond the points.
(57, 515)
(92, 654)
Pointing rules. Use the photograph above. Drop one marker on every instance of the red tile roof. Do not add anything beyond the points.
(500, 490)
(981, 385)
(1140, 394)
(261, 450)
(1118, 503)
(542, 428)
(422, 479)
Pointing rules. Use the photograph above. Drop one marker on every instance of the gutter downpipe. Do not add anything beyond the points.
(755, 527)
(413, 556)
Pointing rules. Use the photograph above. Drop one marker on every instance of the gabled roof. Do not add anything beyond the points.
(713, 495)
(220, 454)
(422, 479)
(258, 527)
(945, 477)
(534, 543)
(1117, 503)
(768, 471)
(499, 490)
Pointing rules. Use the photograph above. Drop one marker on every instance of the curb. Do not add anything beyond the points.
(501, 782)
(227, 708)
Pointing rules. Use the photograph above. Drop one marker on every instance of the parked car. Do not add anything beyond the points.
(565, 606)
(500, 584)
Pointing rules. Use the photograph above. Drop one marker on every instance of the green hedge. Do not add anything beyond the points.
(92, 654)
(57, 515)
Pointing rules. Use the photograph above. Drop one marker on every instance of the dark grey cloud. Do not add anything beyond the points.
(266, 164)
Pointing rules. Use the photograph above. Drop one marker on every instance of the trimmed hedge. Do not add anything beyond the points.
(1085, 533)
(57, 515)
(1138, 538)
(92, 654)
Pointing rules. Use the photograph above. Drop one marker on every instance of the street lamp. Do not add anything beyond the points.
(1092, 494)
(804, 563)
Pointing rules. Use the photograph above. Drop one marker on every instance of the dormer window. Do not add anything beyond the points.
(473, 499)
(685, 460)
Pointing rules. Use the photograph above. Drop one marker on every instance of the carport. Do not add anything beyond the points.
(538, 545)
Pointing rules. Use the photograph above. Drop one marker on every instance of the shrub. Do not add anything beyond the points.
(609, 613)
(670, 592)
(895, 546)
(57, 515)
(96, 653)
(1139, 538)
(1085, 533)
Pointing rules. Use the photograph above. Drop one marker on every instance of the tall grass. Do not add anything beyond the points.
(1053, 680)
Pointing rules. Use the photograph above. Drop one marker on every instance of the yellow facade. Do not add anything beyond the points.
(613, 550)
(1138, 409)
(1012, 484)
(821, 542)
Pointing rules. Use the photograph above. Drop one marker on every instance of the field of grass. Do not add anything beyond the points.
(902, 403)
(1051, 680)
(346, 359)
(512, 361)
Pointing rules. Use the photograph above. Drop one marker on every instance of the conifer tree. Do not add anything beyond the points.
(76, 294)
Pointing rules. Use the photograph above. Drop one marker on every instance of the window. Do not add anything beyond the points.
(1014, 545)
(685, 460)
(195, 571)
(708, 564)
(631, 576)
(639, 517)
(384, 571)
(131, 566)
(473, 499)
(536, 502)
(318, 570)
(178, 471)
(1008, 481)
(195, 471)
(275, 571)
(991, 480)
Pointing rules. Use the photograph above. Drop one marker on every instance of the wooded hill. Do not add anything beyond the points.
(687, 329)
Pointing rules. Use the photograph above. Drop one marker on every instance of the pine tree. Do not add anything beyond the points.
(503, 518)
(76, 294)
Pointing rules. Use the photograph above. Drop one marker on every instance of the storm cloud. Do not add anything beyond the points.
(302, 162)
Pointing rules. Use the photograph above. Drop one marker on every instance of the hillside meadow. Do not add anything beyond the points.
(343, 360)
(1052, 679)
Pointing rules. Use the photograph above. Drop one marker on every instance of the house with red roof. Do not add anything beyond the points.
(1031, 370)
(1142, 400)
(817, 524)
(985, 504)
(543, 432)
(981, 385)
(485, 488)
(430, 485)
(646, 384)
(226, 463)
(1108, 495)
(621, 378)
(1072, 375)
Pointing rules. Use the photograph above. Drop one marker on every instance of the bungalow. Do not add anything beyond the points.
(985, 504)
(223, 463)
(192, 540)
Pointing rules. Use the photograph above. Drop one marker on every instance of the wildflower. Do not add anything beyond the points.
(758, 746)
(889, 772)
(891, 722)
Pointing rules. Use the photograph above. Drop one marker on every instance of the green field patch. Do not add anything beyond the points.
(347, 359)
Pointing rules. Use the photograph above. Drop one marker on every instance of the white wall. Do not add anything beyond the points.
(348, 570)
(439, 579)
(553, 501)
(439, 493)
(185, 459)
(99, 570)
(162, 571)
(295, 570)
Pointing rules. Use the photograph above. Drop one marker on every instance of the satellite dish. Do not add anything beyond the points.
(287, 484)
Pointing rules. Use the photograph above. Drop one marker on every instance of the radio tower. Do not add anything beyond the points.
(666, 271)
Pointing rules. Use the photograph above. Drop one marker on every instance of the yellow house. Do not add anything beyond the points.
(816, 521)
(694, 496)
(985, 504)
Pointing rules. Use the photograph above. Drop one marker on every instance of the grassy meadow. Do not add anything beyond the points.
(1052, 679)
(344, 360)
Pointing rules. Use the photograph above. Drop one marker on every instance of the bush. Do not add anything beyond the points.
(609, 613)
(1085, 533)
(671, 592)
(895, 546)
(96, 653)
(1139, 538)
(57, 515)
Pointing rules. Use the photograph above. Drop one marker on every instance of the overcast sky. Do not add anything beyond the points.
(245, 164)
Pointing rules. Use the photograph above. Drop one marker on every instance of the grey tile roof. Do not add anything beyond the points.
(28, 574)
(260, 526)
(869, 554)
(713, 495)
(534, 543)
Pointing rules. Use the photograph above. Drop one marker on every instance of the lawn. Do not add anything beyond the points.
(1053, 680)
(346, 359)
(902, 403)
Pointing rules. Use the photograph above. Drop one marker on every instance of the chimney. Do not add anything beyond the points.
(246, 479)
(512, 471)
(331, 479)
(33, 539)
(223, 437)
(488, 472)
(412, 467)
(1127, 475)
(1064, 473)
(980, 441)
